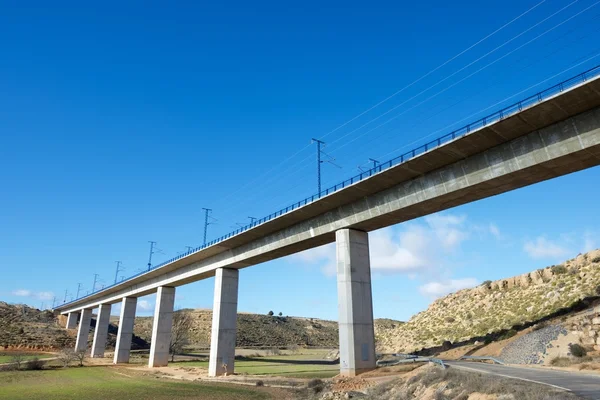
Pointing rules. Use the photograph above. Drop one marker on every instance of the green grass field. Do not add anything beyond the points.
(300, 366)
(101, 383)
(7, 358)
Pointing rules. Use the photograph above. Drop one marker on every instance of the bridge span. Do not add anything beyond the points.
(551, 134)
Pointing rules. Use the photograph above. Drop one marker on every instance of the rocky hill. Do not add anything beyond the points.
(255, 330)
(28, 328)
(497, 306)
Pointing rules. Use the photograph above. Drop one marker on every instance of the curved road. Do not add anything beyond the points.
(584, 385)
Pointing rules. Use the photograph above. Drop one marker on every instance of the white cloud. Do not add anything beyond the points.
(145, 305)
(495, 231)
(45, 295)
(412, 249)
(544, 248)
(440, 289)
(37, 295)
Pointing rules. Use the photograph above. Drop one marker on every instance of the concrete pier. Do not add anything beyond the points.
(72, 320)
(161, 329)
(125, 333)
(84, 330)
(101, 331)
(224, 323)
(355, 305)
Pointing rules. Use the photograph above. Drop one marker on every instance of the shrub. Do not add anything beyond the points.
(35, 364)
(274, 351)
(17, 360)
(508, 334)
(66, 357)
(559, 269)
(486, 283)
(316, 385)
(260, 383)
(449, 320)
(577, 350)
(270, 313)
(596, 260)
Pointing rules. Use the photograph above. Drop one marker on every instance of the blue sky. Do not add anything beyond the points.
(121, 121)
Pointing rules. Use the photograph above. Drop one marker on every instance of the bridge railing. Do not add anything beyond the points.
(458, 133)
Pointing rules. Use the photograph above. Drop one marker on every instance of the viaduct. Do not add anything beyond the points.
(550, 134)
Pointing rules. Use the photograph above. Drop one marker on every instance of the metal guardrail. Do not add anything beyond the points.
(409, 359)
(475, 358)
(458, 133)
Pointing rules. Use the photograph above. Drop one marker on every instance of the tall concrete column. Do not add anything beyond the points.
(161, 328)
(355, 305)
(72, 320)
(224, 322)
(123, 346)
(84, 330)
(101, 331)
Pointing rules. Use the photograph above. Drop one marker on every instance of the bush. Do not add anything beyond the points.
(508, 334)
(17, 360)
(559, 269)
(596, 260)
(260, 383)
(577, 350)
(486, 283)
(316, 385)
(66, 357)
(35, 364)
(270, 313)
(274, 351)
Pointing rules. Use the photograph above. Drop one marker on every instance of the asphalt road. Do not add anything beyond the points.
(584, 385)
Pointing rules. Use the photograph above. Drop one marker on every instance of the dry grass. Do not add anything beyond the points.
(456, 384)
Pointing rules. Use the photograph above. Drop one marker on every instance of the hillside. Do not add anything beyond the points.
(257, 330)
(497, 306)
(23, 327)
(28, 328)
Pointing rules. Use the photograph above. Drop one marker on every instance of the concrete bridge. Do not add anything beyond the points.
(548, 135)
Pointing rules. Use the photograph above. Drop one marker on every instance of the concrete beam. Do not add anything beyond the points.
(101, 331)
(125, 332)
(224, 323)
(72, 320)
(355, 304)
(552, 151)
(84, 330)
(161, 329)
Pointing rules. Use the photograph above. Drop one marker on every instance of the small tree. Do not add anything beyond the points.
(280, 313)
(17, 359)
(180, 332)
(66, 357)
(80, 356)
(577, 350)
(271, 313)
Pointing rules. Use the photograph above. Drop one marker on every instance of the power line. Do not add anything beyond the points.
(450, 76)
(276, 167)
(436, 68)
(429, 115)
(78, 289)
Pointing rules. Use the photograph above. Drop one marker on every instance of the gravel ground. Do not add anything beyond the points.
(531, 348)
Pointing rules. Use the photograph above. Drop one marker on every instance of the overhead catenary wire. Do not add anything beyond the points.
(429, 115)
(464, 51)
(448, 77)
(296, 167)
